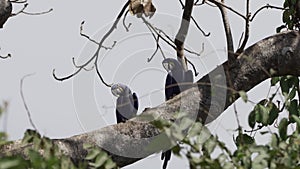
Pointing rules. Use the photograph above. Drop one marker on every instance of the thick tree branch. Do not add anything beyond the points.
(131, 141)
(229, 39)
(183, 30)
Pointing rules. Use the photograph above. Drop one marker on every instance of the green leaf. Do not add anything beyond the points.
(284, 86)
(92, 154)
(244, 96)
(273, 114)
(100, 159)
(297, 120)
(292, 94)
(274, 141)
(195, 130)
(252, 119)
(110, 164)
(87, 146)
(210, 145)
(283, 128)
(244, 139)
(275, 80)
(264, 114)
(286, 16)
(293, 109)
(6, 163)
(176, 150)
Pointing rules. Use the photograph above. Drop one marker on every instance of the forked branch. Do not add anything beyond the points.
(95, 57)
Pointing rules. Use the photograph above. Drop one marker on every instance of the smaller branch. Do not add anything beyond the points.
(75, 65)
(157, 31)
(194, 68)
(94, 41)
(247, 25)
(29, 13)
(124, 22)
(157, 47)
(230, 48)
(24, 102)
(96, 54)
(227, 7)
(199, 4)
(66, 77)
(193, 19)
(241, 38)
(99, 74)
(19, 1)
(265, 7)
(5, 57)
(157, 44)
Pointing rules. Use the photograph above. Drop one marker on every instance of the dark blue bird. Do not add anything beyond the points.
(177, 81)
(127, 102)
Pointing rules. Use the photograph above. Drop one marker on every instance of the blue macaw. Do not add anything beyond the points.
(127, 102)
(177, 81)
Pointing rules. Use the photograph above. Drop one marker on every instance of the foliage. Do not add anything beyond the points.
(42, 153)
(204, 150)
(291, 15)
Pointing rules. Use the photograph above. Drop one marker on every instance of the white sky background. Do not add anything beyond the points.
(40, 43)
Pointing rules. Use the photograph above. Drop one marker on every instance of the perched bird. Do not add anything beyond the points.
(177, 81)
(127, 102)
(5, 11)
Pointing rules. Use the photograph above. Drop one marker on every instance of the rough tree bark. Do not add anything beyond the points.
(280, 52)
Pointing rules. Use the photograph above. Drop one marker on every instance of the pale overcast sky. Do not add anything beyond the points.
(62, 109)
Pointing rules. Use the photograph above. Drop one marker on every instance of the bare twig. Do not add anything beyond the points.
(265, 7)
(227, 7)
(77, 66)
(241, 38)
(124, 22)
(194, 68)
(92, 40)
(157, 47)
(24, 102)
(157, 44)
(29, 13)
(5, 57)
(19, 1)
(193, 19)
(226, 24)
(247, 25)
(96, 54)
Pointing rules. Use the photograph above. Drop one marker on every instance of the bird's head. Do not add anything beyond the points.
(170, 64)
(120, 90)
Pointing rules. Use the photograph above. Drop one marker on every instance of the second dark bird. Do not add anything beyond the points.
(127, 102)
(177, 81)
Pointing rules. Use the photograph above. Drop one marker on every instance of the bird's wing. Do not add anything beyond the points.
(188, 80)
(120, 118)
(188, 76)
(120, 110)
(135, 102)
(171, 87)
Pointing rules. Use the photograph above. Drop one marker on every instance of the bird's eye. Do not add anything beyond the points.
(117, 90)
(166, 66)
(171, 65)
(120, 90)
